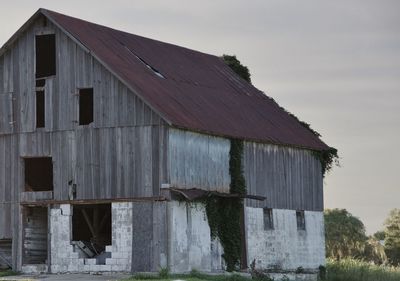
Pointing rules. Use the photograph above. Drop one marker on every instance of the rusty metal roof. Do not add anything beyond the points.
(189, 89)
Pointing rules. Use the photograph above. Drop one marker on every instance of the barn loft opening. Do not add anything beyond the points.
(40, 109)
(38, 174)
(35, 235)
(91, 230)
(45, 55)
(85, 106)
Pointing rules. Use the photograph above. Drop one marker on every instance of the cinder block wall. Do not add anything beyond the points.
(285, 247)
(65, 259)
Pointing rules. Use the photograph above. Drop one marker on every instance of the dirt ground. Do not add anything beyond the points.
(65, 277)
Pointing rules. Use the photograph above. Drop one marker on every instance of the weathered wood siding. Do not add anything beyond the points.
(149, 240)
(290, 178)
(121, 154)
(114, 104)
(129, 140)
(198, 161)
(35, 236)
(5, 221)
(103, 163)
(5, 253)
(8, 179)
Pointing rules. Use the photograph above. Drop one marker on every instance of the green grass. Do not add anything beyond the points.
(354, 270)
(193, 276)
(7, 273)
(344, 270)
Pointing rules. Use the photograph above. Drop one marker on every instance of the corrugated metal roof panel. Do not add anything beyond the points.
(197, 91)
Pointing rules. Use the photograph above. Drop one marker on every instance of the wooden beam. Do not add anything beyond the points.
(93, 201)
(103, 221)
(96, 222)
(85, 215)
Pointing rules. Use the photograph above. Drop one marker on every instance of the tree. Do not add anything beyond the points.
(392, 237)
(237, 67)
(344, 234)
(374, 251)
(379, 235)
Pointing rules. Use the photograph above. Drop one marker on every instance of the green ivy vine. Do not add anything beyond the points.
(224, 214)
(328, 159)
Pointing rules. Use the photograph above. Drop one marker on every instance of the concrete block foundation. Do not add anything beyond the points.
(188, 243)
(66, 257)
(285, 247)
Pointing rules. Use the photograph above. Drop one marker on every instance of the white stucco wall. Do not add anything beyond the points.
(285, 247)
(190, 245)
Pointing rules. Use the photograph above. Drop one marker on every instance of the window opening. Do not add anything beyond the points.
(268, 219)
(91, 230)
(85, 106)
(45, 55)
(38, 174)
(40, 109)
(301, 222)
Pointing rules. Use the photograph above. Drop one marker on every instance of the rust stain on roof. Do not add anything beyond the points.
(190, 89)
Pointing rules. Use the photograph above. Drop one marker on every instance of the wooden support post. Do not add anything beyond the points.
(85, 215)
(103, 222)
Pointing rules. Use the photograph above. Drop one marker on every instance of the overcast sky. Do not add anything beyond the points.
(334, 64)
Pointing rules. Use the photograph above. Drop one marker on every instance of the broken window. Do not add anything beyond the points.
(38, 174)
(40, 109)
(85, 106)
(268, 219)
(301, 222)
(35, 235)
(91, 230)
(45, 55)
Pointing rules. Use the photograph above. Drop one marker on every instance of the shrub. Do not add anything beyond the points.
(355, 270)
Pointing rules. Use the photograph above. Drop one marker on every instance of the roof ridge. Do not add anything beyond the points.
(128, 33)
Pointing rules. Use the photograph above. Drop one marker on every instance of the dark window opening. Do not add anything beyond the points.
(40, 83)
(85, 106)
(45, 55)
(301, 222)
(268, 219)
(38, 174)
(91, 228)
(40, 109)
(35, 235)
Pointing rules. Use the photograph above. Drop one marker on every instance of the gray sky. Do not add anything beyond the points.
(335, 64)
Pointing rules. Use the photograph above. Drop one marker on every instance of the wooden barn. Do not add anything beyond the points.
(115, 147)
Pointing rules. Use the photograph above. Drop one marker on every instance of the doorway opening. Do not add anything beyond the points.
(35, 229)
(92, 230)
